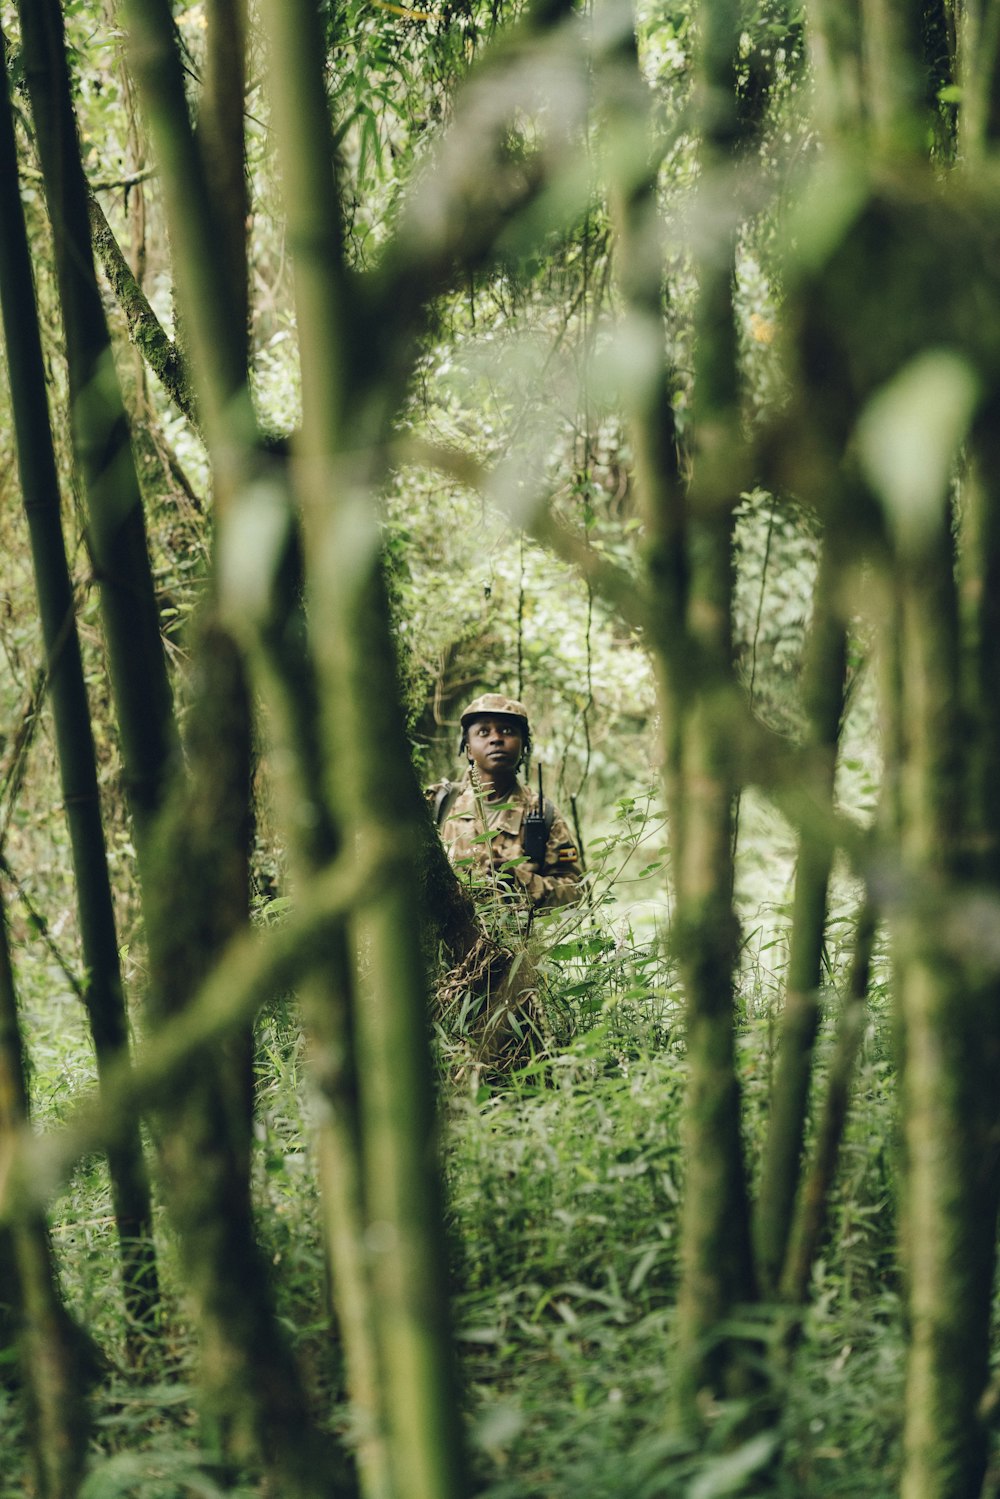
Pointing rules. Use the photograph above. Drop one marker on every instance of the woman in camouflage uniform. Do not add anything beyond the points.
(490, 800)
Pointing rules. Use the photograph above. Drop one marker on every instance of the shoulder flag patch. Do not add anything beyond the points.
(566, 855)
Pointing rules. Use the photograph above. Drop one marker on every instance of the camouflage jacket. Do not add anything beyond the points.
(481, 860)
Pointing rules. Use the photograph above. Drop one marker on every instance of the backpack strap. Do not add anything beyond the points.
(444, 800)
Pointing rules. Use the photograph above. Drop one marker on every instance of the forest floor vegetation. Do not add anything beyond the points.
(564, 1179)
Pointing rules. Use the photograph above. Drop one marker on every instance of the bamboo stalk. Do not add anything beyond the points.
(254, 1402)
(373, 789)
(116, 533)
(51, 1343)
(823, 691)
(327, 1002)
(103, 994)
(814, 1196)
(892, 75)
(688, 601)
(833, 34)
(717, 1271)
(213, 318)
(254, 1391)
(402, 1188)
(220, 138)
(951, 1044)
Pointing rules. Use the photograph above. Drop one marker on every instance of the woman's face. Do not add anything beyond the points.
(495, 746)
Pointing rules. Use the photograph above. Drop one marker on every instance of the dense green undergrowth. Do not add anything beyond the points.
(564, 1182)
(565, 1192)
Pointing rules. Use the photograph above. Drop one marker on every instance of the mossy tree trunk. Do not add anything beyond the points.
(154, 347)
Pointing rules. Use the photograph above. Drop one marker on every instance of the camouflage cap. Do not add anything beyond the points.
(491, 704)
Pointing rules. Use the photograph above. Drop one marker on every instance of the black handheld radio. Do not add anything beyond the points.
(535, 832)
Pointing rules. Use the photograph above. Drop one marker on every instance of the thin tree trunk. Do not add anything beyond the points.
(951, 1057)
(823, 691)
(117, 534)
(327, 1003)
(135, 195)
(212, 225)
(402, 1189)
(833, 33)
(376, 800)
(689, 583)
(893, 75)
(211, 301)
(255, 1384)
(980, 632)
(950, 1005)
(716, 1263)
(74, 738)
(220, 136)
(977, 72)
(326, 999)
(51, 1344)
(145, 329)
(255, 1402)
(814, 1196)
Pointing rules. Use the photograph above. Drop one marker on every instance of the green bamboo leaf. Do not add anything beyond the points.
(908, 439)
(728, 1474)
(251, 546)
